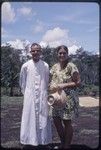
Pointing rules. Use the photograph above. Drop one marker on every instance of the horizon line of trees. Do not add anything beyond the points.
(12, 60)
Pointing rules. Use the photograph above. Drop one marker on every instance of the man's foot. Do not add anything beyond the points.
(56, 147)
(29, 147)
(66, 147)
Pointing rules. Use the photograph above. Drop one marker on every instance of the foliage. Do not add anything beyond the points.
(10, 68)
(91, 90)
(88, 66)
(87, 63)
(49, 55)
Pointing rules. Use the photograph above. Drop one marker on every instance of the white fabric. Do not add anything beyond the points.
(35, 124)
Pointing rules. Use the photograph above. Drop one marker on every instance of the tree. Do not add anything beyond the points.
(10, 68)
(11, 61)
(88, 65)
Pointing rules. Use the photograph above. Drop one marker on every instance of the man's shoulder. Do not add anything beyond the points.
(26, 63)
(45, 64)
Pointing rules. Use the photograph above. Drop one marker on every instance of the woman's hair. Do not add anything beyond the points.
(62, 46)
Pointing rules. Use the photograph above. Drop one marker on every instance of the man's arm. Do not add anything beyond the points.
(22, 79)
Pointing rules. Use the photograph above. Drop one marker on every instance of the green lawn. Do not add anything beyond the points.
(6, 100)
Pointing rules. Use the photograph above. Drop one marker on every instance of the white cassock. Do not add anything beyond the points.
(35, 123)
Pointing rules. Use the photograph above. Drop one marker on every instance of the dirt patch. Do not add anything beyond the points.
(88, 101)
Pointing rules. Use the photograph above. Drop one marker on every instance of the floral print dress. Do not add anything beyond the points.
(58, 76)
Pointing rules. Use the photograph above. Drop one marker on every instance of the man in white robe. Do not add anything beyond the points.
(35, 123)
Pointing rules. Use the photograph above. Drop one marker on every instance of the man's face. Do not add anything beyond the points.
(36, 52)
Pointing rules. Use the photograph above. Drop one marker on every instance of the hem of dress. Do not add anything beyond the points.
(25, 143)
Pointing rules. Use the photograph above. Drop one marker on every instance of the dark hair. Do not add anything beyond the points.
(35, 44)
(62, 46)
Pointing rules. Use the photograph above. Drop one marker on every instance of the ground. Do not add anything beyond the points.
(86, 127)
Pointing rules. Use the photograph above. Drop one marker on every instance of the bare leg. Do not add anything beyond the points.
(60, 129)
(68, 133)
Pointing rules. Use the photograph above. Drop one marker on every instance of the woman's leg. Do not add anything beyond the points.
(60, 128)
(68, 131)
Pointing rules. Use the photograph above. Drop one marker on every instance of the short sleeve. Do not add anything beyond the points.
(74, 69)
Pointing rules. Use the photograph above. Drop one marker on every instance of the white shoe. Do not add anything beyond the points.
(56, 147)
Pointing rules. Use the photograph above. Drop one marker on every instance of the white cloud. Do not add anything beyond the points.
(4, 34)
(54, 35)
(84, 22)
(73, 48)
(18, 44)
(8, 14)
(75, 17)
(43, 44)
(25, 11)
(93, 29)
(98, 53)
(3, 31)
(39, 27)
(51, 44)
(71, 17)
(57, 37)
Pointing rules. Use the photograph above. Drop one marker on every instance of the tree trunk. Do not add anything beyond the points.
(11, 89)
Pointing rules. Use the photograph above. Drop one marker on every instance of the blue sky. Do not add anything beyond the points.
(53, 23)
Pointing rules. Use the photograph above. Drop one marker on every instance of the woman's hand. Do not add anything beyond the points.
(53, 88)
(60, 86)
(57, 87)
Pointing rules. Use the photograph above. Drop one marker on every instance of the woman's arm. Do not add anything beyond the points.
(74, 83)
(53, 88)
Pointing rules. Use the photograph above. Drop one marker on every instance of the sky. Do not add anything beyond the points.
(74, 24)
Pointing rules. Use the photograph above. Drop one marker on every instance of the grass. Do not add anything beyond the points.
(86, 127)
(6, 100)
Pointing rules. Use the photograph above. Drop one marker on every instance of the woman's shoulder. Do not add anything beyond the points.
(53, 69)
(71, 64)
(54, 66)
(72, 67)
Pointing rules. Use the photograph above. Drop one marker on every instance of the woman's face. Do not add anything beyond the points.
(62, 55)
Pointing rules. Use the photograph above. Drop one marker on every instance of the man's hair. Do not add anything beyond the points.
(35, 44)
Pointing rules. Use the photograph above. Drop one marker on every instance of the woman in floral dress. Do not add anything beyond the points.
(64, 75)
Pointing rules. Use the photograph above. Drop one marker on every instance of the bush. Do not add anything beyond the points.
(6, 91)
(89, 90)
